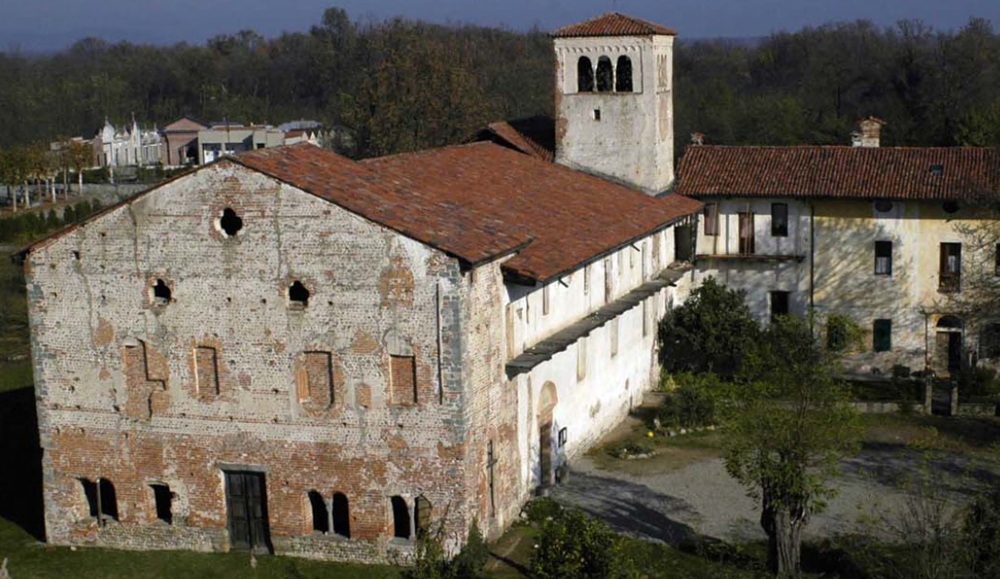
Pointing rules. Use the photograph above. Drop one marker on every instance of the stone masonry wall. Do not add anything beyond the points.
(228, 373)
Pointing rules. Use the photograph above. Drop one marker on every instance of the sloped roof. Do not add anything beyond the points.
(572, 217)
(440, 222)
(613, 24)
(534, 136)
(931, 173)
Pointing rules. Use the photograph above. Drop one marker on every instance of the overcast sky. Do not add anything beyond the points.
(33, 25)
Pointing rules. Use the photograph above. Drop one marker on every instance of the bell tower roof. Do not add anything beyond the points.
(613, 24)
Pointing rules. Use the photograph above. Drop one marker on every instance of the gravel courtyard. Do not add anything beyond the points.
(698, 497)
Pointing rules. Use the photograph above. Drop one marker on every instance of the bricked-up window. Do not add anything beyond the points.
(400, 518)
(951, 266)
(882, 335)
(341, 515)
(298, 295)
(320, 516)
(229, 222)
(883, 258)
(315, 379)
(163, 500)
(403, 379)
(711, 214)
(584, 75)
(779, 219)
(207, 371)
(422, 512)
(161, 293)
(605, 75)
(623, 74)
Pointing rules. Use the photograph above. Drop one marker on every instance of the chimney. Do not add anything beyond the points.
(868, 133)
(697, 138)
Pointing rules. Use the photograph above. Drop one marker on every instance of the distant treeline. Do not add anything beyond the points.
(27, 226)
(401, 85)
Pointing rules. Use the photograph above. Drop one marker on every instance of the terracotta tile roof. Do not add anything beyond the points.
(613, 24)
(573, 218)
(534, 136)
(440, 222)
(840, 172)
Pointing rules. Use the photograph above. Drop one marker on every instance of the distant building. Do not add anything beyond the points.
(227, 138)
(127, 147)
(181, 141)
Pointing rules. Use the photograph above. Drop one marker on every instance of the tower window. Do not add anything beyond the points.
(584, 75)
(623, 74)
(605, 74)
(400, 518)
(162, 498)
(161, 293)
(320, 518)
(341, 515)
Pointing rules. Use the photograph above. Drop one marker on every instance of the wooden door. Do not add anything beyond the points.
(545, 447)
(246, 503)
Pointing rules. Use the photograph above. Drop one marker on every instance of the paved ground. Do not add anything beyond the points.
(702, 498)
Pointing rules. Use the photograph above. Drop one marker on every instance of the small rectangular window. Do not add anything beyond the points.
(779, 304)
(403, 379)
(882, 335)
(883, 258)
(711, 213)
(950, 278)
(779, 219)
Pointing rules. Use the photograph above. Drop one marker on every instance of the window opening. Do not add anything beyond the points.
(836, 334)
(623, 74)
(400, 518)
(882, 335)
(298, 295)
(711, 213)
(584, 75)
(320, 518)
(950, 277)
(779, 219)
(747, 240)
(163, 499)
(230, 222)
(107, 500)
(779, 304)
(341, 515)
(883, 258)
(883, 206)
(950, 206)
(597, 114)
(161, 293)
(90, 492)
(422, 510)
(605, 74)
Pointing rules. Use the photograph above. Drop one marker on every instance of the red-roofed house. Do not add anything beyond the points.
(290, 351)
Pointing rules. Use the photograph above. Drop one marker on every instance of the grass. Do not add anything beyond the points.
(30, 559)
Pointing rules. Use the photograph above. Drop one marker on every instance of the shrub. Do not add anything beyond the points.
(541, 509)
(431, 561)
(982, 535)
(573, 545)
(979, 382)
(471, 560)
(692, 403)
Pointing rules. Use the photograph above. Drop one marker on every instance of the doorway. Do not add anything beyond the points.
(546, 403)
(246, 505)
(948, 347)
(747, 240)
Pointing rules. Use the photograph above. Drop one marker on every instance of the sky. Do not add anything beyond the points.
(44, 25)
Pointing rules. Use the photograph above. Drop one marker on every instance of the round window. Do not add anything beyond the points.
(950, 206)
(883, 206)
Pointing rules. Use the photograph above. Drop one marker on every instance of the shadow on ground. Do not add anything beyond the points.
(896, 466)
(627, 507)
(21, 477)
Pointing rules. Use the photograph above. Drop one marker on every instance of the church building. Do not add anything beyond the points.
(289, 351)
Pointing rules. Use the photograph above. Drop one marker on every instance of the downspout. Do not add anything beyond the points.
(812, 265)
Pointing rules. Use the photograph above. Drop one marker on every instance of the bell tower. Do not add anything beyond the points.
(614, 100)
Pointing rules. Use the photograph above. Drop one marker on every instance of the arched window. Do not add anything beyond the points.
(605, 80)
(584, 75)
(623, 74)
(321, 521)
(341, 515)
(400, 518)
(108, 500)
(422, 512)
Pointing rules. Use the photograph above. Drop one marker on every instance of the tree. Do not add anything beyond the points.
(786, 425)
(711, 332)
(79, 156)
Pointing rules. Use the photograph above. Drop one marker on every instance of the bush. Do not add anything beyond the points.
(692, 403)
(982, 535)
(542, 509)
(573, 545)
(978, 382)
(432, 563)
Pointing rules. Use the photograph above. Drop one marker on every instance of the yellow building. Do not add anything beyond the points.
(899, 242)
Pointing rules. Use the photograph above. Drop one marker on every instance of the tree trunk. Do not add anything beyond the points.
(79, 180)
(783, 525)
